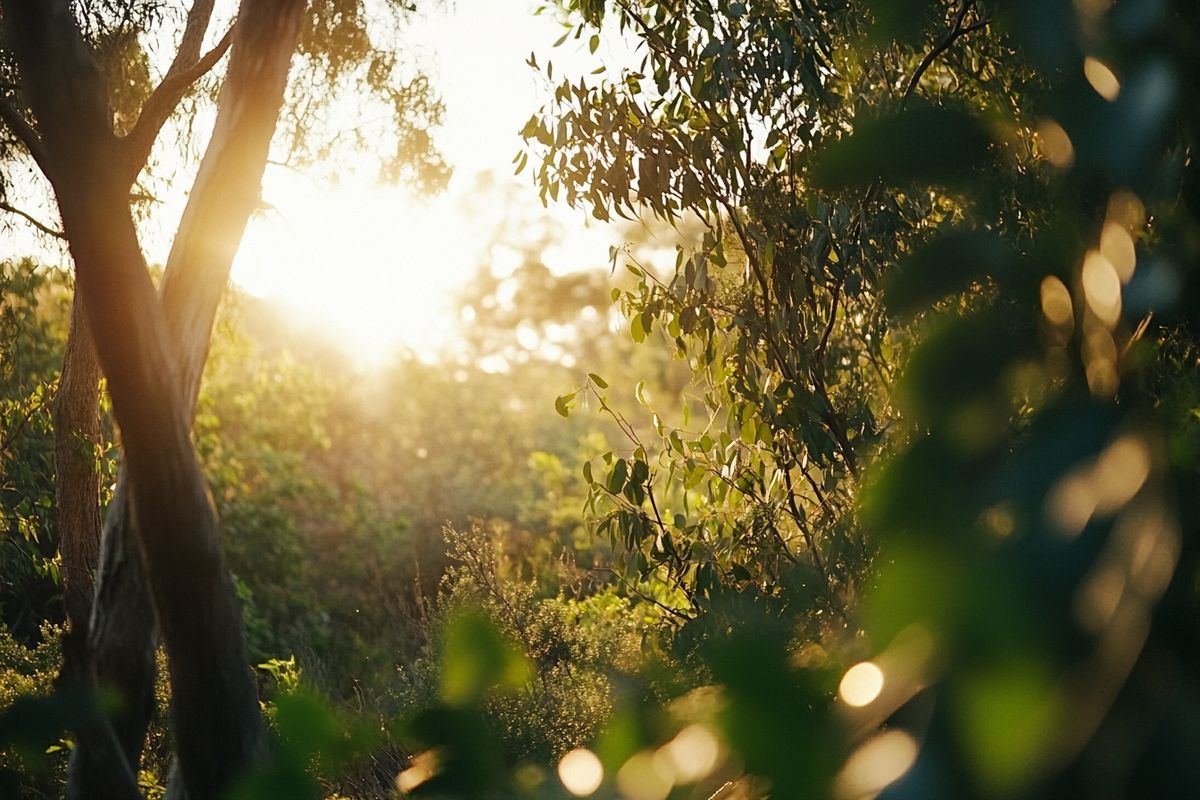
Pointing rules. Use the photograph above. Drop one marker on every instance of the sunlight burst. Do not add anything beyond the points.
(374, 267)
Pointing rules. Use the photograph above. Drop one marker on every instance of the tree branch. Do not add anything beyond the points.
(117, 780)
(32, 220)
(136, 145)
(631, 587)
(957, 31)
(833, 304)
(65, 88)
(193, 35)
(225, 191)
(21, 128)
(217, 721)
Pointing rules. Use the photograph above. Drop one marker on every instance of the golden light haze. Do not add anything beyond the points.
(378, 267)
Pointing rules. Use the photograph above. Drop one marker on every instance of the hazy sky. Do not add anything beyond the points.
(374, 266)
(378, 267)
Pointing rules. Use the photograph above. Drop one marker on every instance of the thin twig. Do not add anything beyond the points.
(34, 221)
(956, 32)
(804, 531)
(21, 128)
(1137, 334)
(631, 587)
(833, 304)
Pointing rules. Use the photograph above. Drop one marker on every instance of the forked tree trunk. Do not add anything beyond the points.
(225, 193)
(149, 363)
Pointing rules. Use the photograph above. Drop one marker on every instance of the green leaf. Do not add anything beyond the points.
(477, 659)
(960, 364)
(673, 328)
(562, 404)
(616, 479)
(636, 330)
(596, 379)
(749, 431)
(1007, 714)
(306, 723)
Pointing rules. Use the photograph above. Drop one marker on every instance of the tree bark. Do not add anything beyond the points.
(77, 513)
(216, 718)
(77, 477)
(121, 648)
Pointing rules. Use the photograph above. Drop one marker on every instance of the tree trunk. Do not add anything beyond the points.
(77, 495)
(76, 474)
(215, 706)
(217, 722)
(120, 651)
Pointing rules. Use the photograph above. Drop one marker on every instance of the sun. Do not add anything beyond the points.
(379, 271)
(374, 267)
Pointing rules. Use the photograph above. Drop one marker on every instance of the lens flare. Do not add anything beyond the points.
(693, 753)
(1101, 78)
(581, 772)
(877, 764)
(1102, 287)
(1056, 144)
(646, 776)
(861, 684)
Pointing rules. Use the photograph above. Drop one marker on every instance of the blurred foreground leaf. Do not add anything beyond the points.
(922, 144)
(477, 658)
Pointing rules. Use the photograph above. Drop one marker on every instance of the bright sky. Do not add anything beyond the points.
(375, 266)
(378, 267)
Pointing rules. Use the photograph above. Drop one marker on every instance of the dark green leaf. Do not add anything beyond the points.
(924, 144)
